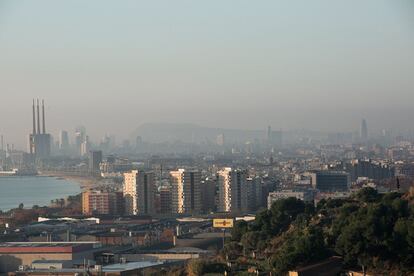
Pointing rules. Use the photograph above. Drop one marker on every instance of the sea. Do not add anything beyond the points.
(33, 190)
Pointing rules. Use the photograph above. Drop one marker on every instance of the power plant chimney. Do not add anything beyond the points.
(34, 118)
(43, 116)
(38, 117)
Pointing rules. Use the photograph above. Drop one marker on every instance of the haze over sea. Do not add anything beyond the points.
(33, 190)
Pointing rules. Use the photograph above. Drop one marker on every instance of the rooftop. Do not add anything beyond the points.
(130, 266)
(47, 244)
(108, 268)
(47, 247)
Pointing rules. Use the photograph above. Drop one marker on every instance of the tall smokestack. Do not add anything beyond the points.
(34, 118)
(43, 116)
(38, 117)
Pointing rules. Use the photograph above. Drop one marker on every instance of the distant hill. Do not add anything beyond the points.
(165, 132)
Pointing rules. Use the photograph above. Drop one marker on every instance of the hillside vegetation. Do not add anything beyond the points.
(371, 232)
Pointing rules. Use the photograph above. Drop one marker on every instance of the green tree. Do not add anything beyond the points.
(301, 248)
(195, 267)
(283, 212)
(375, 236)
(262, 222)
(280, 215)
(352, 245)
(251, 239)
(367, 195)
(232, 250)
(239, 229)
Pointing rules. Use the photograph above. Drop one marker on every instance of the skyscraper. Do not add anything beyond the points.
(269, 134)
(95, 158)
(274, 137)
(363, 134)
(39, 141)
(138, 189)
(63, 140)
(220, 140)
(254, 192)
(138, 141)
(232, 190)
(165, 200)
(85, 147)
(80, 136)
(208, 195)
(185, 195)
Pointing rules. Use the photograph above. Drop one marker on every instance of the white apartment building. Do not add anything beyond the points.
(138, 190)
(186, 192)
(232, 190)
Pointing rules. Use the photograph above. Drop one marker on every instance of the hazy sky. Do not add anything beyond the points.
(113, 65)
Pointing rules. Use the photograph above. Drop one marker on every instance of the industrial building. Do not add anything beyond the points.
(39, 140)
(15, 255)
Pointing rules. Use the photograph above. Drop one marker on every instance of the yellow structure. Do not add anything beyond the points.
(223, 223)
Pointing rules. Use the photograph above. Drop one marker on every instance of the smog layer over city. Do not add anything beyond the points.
(206, 137)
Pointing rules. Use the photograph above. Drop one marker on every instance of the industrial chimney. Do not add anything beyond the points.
(43, 116)
(34, 118)
(38, 117)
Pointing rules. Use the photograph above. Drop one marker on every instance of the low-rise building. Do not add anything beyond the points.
(102, 203)
(15, 255)
(305, 195)
(119, 269)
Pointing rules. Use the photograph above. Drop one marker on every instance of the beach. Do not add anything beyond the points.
(85, 182)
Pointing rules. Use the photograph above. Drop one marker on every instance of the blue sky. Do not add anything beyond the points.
(113, 65)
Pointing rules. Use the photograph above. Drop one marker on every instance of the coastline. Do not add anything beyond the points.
(85, 182)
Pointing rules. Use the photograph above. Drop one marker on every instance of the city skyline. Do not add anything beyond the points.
(319, 65)
(79, 143)
(80, 138)
(206, 137)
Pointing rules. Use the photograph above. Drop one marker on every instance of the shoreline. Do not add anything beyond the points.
(85, 182)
